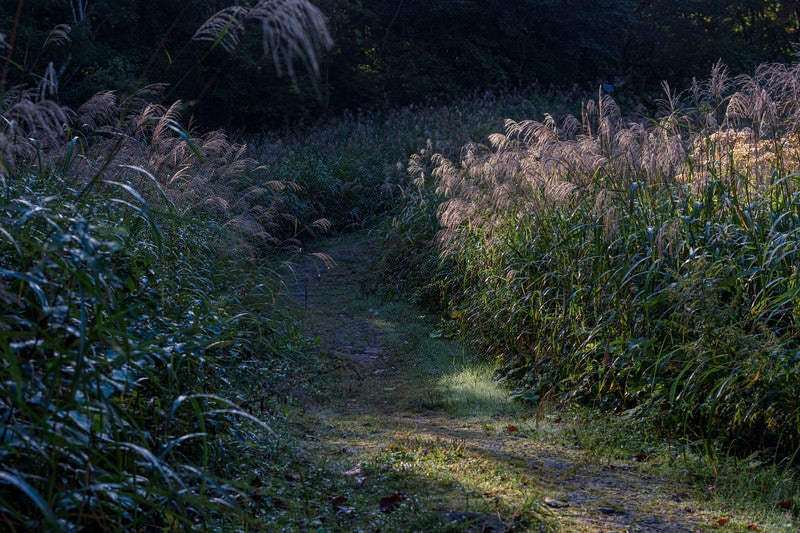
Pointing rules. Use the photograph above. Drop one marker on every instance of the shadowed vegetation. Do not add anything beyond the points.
(153, 376)
(218, 59)
(131, 304)
(146, 363)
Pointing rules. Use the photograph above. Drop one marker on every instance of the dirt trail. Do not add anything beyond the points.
(411, 464)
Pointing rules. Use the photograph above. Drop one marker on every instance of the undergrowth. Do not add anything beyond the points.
(350, 170)
(645, 265)
(129, 289)
(116, 323)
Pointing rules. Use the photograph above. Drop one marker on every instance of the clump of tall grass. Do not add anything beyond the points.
(119, 309)
(351, 169)
(643, 264)
(209, 174)
(110, 338)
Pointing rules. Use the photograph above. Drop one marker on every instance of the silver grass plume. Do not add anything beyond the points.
(291, 30)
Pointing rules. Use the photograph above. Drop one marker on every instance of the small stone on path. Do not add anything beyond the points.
(556, 504)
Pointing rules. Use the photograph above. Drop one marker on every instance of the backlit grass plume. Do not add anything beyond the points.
(644, 264)
(291, 30)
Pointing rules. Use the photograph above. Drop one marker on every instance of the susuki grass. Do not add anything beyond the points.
(107, 337)
(142, 359)
(133, 274)
(126, 289)
(644, 264)
(351, 169)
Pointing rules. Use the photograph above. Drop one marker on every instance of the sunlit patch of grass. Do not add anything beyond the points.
(473, 390)
(446, 375)
(465, 479)
(371, 481)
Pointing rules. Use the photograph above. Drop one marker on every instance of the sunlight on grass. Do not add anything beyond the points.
(467, 477)
(471, 390)
(457, 380)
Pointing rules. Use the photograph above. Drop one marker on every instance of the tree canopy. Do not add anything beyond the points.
(386, 52)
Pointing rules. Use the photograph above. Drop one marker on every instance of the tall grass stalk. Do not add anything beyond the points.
(120, 308)
(647, 265)
(106, 329)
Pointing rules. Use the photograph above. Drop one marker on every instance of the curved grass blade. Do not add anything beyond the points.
(232, 409)
(35, 497)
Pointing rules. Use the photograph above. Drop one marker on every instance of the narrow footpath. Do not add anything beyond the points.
(423, 439)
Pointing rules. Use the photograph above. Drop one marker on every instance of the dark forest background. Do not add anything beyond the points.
(392, 52)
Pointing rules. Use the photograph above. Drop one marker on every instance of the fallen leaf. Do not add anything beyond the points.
(752, 527)
(722, 521)
(388, 504)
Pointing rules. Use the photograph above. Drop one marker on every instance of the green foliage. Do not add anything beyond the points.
(388, 52)
(115, 322)
(133, 294)
(349, 170)
(634, 268)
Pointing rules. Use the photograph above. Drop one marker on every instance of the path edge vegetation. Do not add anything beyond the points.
(645, 267)
(133, 279)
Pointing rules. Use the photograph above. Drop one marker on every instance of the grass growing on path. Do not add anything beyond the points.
(412, 433)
